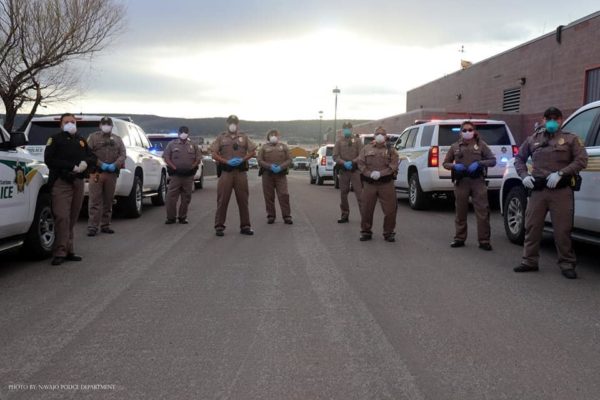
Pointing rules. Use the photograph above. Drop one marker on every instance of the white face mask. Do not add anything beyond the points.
(232, 128)
(106, 128)
(183, 136)
(274, 139)
(70, 127)
(379, 138)
(468, 135)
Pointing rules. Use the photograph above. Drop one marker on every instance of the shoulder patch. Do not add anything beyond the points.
(49, 142)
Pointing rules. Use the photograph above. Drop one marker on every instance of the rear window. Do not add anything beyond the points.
(40, 131)
(492, 134)
(160, 144)
(329, 151)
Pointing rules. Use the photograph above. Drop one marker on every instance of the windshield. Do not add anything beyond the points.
(492, 134)
(40, 131)
(300, 159)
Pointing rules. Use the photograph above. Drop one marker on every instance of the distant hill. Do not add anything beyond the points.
(303, 131)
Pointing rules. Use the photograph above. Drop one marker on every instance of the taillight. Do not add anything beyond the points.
(515, 150)
(434, 157)
(323, 160)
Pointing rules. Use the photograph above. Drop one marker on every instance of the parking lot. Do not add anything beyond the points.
(298, 312)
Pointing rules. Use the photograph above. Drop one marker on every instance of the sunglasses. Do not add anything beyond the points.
(468, 130)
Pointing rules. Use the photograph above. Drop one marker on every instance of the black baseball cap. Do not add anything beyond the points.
(233, 119)
(106, 121)
(184, 129)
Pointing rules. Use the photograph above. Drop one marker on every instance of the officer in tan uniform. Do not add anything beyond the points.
(468, 159)
(110, 153)
(232, 150)
(378, 165)
(345, 155)
(557, 158)
(183, 158)
(67, 156)
(274, 160)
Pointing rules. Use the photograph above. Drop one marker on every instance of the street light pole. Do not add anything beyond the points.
(320, 128)
(336, 91)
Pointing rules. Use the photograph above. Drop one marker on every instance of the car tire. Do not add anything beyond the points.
(132, 204)
(41, 235)
(200, 183)
(161, 195)
(417, 199)
(514, 214)
(319, 179)
(312, 179)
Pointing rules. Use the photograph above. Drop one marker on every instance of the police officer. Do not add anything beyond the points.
(274, 160)
(183, 158)
(378, 165)
(232, 150)
(345, 155)
(67, 156)
(110, 154)
(557, 158)
(468, 159)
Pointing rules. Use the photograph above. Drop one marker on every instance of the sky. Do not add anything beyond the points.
(280, 60)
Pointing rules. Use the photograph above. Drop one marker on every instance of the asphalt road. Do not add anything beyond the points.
(297, 312)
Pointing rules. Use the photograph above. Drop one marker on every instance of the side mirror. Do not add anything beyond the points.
(17, 139)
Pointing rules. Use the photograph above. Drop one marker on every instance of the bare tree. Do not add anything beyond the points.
(38, 38)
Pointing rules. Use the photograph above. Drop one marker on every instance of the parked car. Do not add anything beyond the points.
(422, 149)
(26, 219)
(585, 122)
(144, 173)
(158, 144)
(301, 163)
(321, 165)
(253, 163)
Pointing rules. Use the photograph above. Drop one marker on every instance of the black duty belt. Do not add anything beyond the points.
(383, 179)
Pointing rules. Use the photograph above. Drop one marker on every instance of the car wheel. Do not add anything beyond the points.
(514, 214)
(320, 180)
(132, 204)
(40, 238)
(200, 183)
(417, 199)
(161, 196)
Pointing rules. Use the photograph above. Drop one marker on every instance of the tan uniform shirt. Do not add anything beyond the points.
(183, 154)
(551, 153)
(230, 145)
(108, 148)
(347, 149)
(374, 157)
(467, 152)
(274, 154)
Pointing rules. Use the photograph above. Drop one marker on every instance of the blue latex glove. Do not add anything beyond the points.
(348, 165)
(112, 167)
(460, 167)
(234, 162)
(275, 168)
(104, 166)
(473, 167)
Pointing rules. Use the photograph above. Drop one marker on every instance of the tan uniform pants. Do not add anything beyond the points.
(238, 182)
(100, 199)
(345, 178)
(67, 199)
(560, 204)
(386, 193)
(272, 183)
(179, 186)
(477, 189)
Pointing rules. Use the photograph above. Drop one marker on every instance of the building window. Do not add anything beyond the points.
(592, 85)
(511, 101)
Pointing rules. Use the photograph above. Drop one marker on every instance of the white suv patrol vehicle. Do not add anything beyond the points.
(25, 211)
(144, 173)
(158, 144)
(422, 149)
(584, 122)
(321, 165)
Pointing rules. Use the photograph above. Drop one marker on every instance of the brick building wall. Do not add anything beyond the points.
(548, 73)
